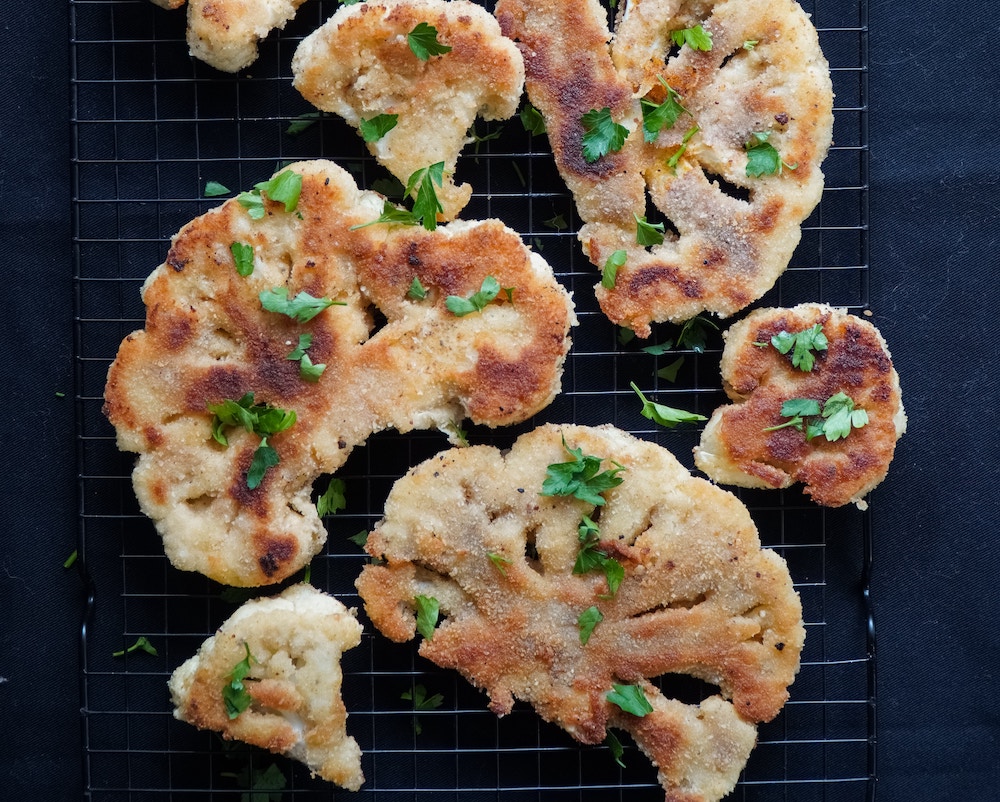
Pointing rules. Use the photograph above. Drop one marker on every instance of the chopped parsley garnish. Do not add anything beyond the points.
(303, 307)
(424, 43)
(427, 615)
(264, 457)
(141, 644)
(587, 621)
(580, 477)
(694, 333)
(610, 272)
(750, 44)
(260, 419)
(333, 499)
(499, 561)
(70, 561)
(664, 415)
(213, 189)
(373, 129)
(675, 159)
(601, 134)
(615, 747)
(591, 558)
(630, 698)
(762, 157)
(557, 222)
(235, 694)
(647, 233)
(303, 122)
(669, 372)
(307, 369)
(417, 291)
(421, 701)
(657, 116)
(532, 119)
(426, 204)
(284, 188)
(460, 307)
(695, 37)
(801, 344)
(835, 420)
(243, 256)
(392, 214)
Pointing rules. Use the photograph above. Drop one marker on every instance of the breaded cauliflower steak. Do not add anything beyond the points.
(295, 640)
(727, 236)
(736, 447)
(359, 65)
(208, 339)
(225, 33)
(470, 528)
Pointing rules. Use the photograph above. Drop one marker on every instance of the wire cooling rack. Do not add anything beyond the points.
(150, 127)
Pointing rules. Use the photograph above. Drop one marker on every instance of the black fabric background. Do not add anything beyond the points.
(935, 220)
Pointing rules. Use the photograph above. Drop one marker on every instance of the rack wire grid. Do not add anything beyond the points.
(150, 127)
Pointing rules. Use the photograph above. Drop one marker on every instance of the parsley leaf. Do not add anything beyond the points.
(762, 157)
(841, 416)
(260, 419)
(657, 116)
(426, 204)
(670, 371)
(333, 499)
(592, 558)
(696, 37)
(694, 334)
(417, 291)
(235, 694)
(460, 307)
(615, 747)
(283, 188)
(664, 415)
(630, 698)
(532, 119)
(307, 370)
(372, 130)
(253, 203)
(142, 643)
(427, 615)
(835, 420)
(391, 214)
(601, 134)
(243, 256)
(580, 477)
(610, 272)
(675, 159)
(646, 233)
(264, 457)
(424, 43)
(499, 561)
(303, 122)
(213, 189)
(586, 622)
(71, 560)
(421, 701)
(303, 307)
(801, 344)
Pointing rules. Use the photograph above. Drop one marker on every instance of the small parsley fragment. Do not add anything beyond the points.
(428, 609)
(264, 457)
(460, 307)
(425, 203)
(657, 116)
(669, 372)
(834, 421)
(303, 122)
(417, 291)
(762, 157)
(646, 233)
(359, 538)
(373, 129)
(421, 701)
(333, 499)
(587, 621)
(801, 344)
(694, 333)
(592, 558)
(70, 561)
(532, 119)
(307, 369)
(664, 415)
(630, 698)
(303, 307)
(141, 644)
(260, 419)
(424, 43)
(235, 695)
(284, 188)
(601, 134)
(750, 44)
(580, 477)
(243, 256)
(213, 189)
(391, 214)
(695, 37)
(675, 159)
(615, 747)
(499, 561)
(611, 267)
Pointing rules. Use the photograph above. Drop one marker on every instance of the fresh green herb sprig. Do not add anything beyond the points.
(591, 557)
(581, 477)
(374, 128)
(609, 274)
(243, 257)
(630, 698)
(303, 307)
(141, 644)
(426, 205)
(675, 158)
(835, 420)
(801, 344)
(587, 622)
(308, 370)
(532, 119)
(213, 189)
(333, 499)
(284, 188)
(234, 694)
(762, 157)
(601, 134)
(423, 42)
(648, 234)
(421, 701)
(664, 415)
(428, 609)
(460, 307)
(695, 37)
(260, 419)
(657, 116)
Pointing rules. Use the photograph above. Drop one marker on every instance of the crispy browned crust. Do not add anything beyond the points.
(470, 528)
(728, 250)
(736, 449)
(207, 338)
(359, 65)
(296, 640)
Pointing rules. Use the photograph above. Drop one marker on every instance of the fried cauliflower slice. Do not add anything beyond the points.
(392, 359)
(727, 235)
(359, 65)
(295, 641)
(741, 445)
(225, 33)
(472, 529)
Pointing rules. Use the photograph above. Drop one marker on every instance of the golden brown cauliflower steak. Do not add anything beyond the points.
(208, 339)
(727, 235)
(471, 529)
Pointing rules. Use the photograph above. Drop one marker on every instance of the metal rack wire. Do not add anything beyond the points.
(150, 127)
